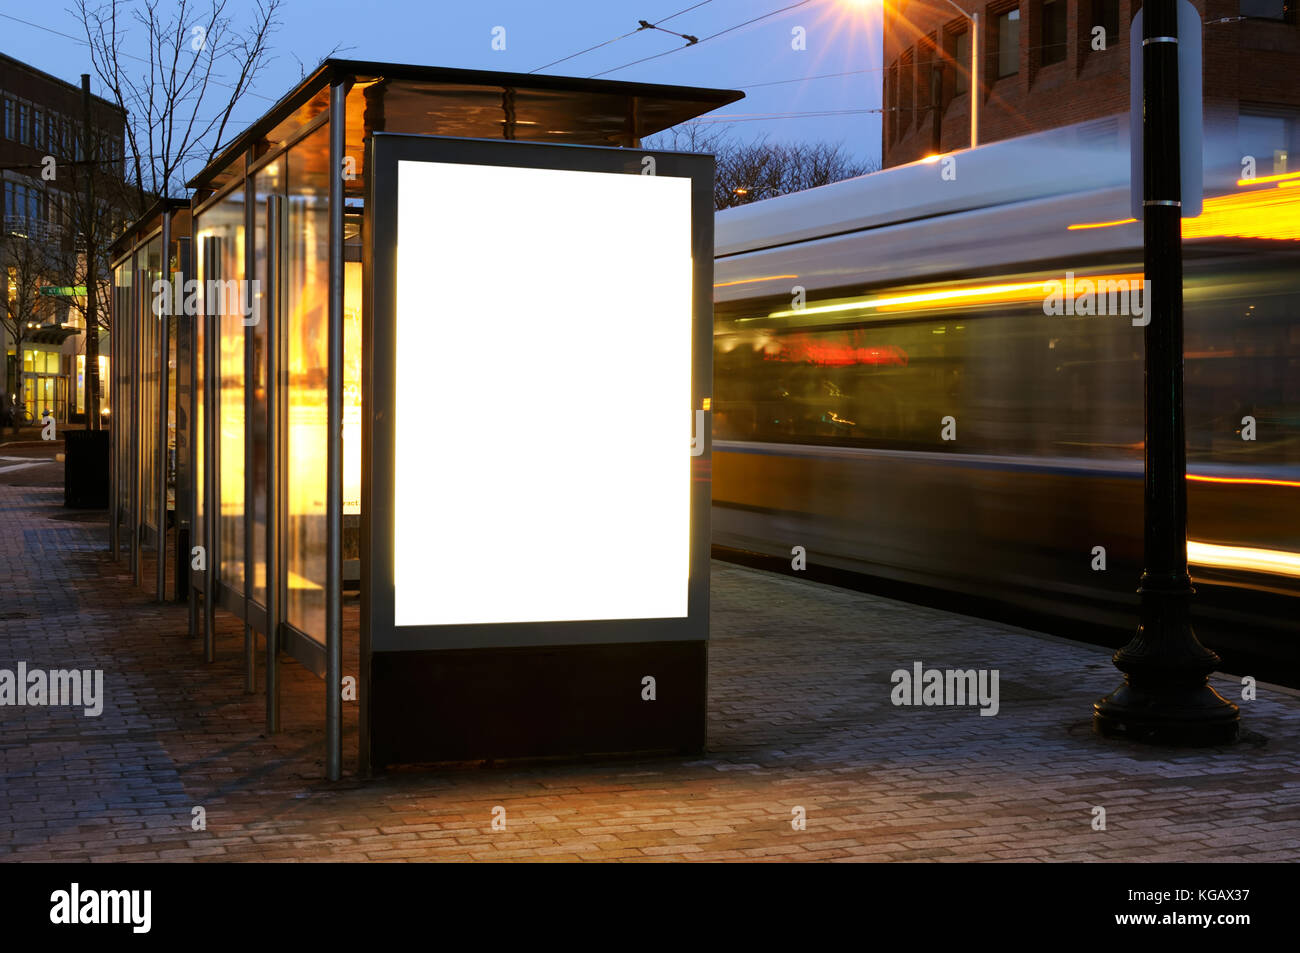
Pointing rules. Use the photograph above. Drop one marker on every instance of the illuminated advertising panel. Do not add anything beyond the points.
(542, 469)
(539, 343)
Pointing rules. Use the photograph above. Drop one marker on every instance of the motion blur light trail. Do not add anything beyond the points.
(1243, 557)
(1260, 213)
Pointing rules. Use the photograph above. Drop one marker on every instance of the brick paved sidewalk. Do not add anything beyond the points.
(800, 716)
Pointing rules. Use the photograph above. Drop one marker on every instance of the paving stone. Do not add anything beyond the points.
(800, 716)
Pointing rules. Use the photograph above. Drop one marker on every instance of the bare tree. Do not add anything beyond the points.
(178, 100)
(750, 171)
(93, 203)
(179, 103)
(28, 264)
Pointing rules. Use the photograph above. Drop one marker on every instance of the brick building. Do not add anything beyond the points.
(1039, 70)
(43, 337)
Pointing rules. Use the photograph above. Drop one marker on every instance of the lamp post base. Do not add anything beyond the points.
(1166, 697)
(1192, 717)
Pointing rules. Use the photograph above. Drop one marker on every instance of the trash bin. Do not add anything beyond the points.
(85, 469)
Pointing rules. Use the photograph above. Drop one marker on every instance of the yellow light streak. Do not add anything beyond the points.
(1261, 180)
(1263, 213)
(749, 281)
(1121, 221)
(1217, 556)
(980, 294)
(1266, 213)
(1250, 481)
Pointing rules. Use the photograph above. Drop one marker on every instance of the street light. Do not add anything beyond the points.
(742, 190)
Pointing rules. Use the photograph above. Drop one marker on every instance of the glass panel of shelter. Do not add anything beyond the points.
(220, 238)
(150, 263)
(305, 332)
(301, 176)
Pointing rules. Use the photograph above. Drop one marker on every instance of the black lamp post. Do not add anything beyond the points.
(1166, 697)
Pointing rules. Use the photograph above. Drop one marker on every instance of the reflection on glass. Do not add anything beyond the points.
(200, 366)
(225, 223)
(306, 272)
(1022, 382)
(149, 261)
(351, 393)
(119, 420)
(268, 181)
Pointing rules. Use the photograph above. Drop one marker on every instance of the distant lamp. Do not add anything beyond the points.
(756, 191)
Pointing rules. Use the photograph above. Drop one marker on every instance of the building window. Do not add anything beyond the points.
(961, 53)
(1105, 14)
(9, 118)
(1271, 138)
(892, 119)
(1008, 43)
(24, 124)
(906, 92)
(1281, 10)
(924, 86)
(1053, 40)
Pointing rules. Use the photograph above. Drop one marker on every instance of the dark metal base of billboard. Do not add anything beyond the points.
(475, 704)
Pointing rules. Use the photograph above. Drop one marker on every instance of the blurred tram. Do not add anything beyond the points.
(859, 324)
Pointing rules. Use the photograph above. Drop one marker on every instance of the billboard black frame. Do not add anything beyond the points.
(521, 689)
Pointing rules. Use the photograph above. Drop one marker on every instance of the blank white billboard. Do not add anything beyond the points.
(543, 395)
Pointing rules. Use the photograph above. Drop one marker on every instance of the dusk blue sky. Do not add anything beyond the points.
(843, 37)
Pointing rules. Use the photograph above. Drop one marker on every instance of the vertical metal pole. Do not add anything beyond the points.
(114, 430)
(133, 342)
(250, 568)
(185, 258)
(974, 79)
(210, 362)
(274, 238)
(334, 448)
(164, 345)
(1165, 697)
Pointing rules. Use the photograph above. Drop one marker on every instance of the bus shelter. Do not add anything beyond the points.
(429, 448)
(150, 349)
